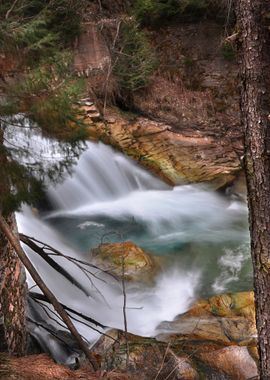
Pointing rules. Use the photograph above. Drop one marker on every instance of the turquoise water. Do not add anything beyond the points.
(200, 236)
(191, 227)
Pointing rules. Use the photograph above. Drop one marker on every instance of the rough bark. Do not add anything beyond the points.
(254, 58)
(12, 297)
(12, 280)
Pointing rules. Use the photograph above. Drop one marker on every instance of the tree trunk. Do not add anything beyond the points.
(12, 279)
(254, 59)
(12, 297)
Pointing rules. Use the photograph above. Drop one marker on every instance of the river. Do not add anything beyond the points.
(202, 237)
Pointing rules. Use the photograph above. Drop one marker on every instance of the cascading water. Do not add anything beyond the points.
(108, 195)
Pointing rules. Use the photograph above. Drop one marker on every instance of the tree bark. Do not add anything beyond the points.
(12, 297)
(12, 278)
(254, 59)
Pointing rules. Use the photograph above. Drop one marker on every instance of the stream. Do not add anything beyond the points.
(202, 237)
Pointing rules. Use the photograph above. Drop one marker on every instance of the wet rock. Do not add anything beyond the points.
(128, 258)
(147, 358)
(214, 339)
(175, 157)
(227, 319)
(234, 362)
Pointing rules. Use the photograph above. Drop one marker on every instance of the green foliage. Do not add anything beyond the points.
(153, 12)
(25, 169)
(149, 12)
(228, 51)
(42, 100)
(135, 60)
(47, 95)
(39, 28)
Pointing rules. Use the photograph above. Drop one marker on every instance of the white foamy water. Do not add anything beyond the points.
(101, 175)
(106, 189)
(146, 306)
(230, 265)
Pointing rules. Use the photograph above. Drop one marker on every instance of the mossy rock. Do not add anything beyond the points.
(128, 259)
(226, 319)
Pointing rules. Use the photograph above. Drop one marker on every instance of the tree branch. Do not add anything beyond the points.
(52, 262)
(14, 241)
(11, 9)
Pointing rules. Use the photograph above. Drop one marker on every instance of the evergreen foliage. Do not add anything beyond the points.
(153, 12)
(39, 27)
(135, 60)
(41, 101)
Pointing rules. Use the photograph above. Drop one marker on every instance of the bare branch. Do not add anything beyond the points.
(14, 241)
(11, 9)
(41, 297)
(52, 263)
(124, 310)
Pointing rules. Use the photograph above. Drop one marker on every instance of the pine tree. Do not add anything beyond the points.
(40, 99)
(255, 109)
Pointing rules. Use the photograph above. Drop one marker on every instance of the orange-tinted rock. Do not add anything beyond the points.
(148, 358)
(233, 361)
(226, 319)
(127, 257)
(175, 157)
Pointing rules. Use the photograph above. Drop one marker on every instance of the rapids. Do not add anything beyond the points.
(202, 236)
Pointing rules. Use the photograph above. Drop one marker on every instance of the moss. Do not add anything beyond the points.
(228, 51)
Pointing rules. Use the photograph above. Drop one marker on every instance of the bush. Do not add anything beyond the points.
(150, 12)
(134, 59)
(38, 28)
(153, 12)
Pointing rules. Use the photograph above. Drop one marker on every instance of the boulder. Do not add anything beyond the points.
(233, 362)
(226, 319)
(214, 339)
(147, 358)
(128, 259)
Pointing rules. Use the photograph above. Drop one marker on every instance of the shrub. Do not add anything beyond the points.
(134, 58)
(38, 28)
(153, 12)
(150, 12)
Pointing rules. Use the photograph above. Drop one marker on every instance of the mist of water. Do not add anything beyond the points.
(108, 189)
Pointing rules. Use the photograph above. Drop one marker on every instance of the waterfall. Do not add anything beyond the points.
(101, 175)
(190, 225)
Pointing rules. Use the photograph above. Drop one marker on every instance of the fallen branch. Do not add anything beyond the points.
(11, 9)
(124, 310)
(42, 297)
(48, 250)
(51, 262)
(14, 241)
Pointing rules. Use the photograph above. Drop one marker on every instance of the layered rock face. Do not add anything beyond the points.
(176, 157)
(190, 131)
